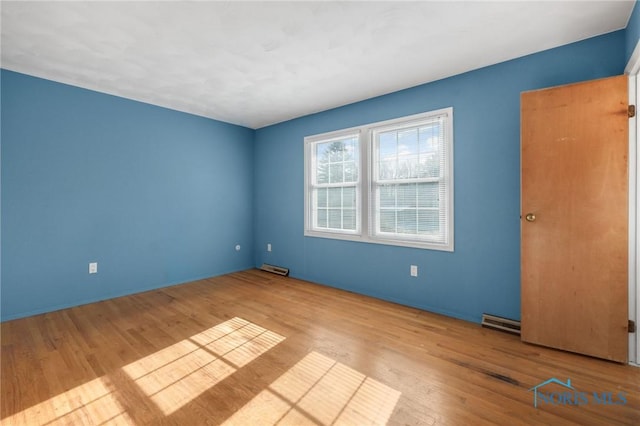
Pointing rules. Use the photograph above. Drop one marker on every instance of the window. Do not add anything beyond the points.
(388, 182)
(334, 183)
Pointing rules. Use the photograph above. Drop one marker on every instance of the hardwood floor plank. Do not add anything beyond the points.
(253, 346)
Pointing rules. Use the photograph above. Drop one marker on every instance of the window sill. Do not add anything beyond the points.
(384, 241)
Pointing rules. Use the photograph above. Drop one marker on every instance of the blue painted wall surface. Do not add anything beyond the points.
(632, 31)
(483, 274)
(155, 196)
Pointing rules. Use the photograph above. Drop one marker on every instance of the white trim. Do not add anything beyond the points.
(332, 136)
(309, 165)
(633, 219)
(633, 70)
(633, 66)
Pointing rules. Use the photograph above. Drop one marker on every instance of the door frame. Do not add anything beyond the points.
(633, 71)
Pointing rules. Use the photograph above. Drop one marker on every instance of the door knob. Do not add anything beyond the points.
(530, 217)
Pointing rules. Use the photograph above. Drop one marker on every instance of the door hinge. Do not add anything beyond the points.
(632, 111)
(632, 326)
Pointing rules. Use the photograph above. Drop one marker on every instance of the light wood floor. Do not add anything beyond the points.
(252, 348)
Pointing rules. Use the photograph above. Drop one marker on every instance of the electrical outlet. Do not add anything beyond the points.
(93, 267)
(269, 247)
(414, 270)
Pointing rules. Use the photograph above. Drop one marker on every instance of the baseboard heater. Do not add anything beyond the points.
(279, 270)
(499, 323)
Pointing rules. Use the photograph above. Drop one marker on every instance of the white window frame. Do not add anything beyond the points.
(310, 183)
(366, 219)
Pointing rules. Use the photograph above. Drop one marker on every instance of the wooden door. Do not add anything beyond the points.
(574, 225)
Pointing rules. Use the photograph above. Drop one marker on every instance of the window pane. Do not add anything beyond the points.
(387, 169)
(335, 197)
(350, 172)
(349, 219)
(330, 158)
(407, 167)
(321, 197)
(322, 152)
(387, 155)
(387, 220)
(322, 173)
(336, 163)
(429, 194)
(387, 195)
(335, 173)
(407, 221)
(429, 137)
(336, 150)
(399, 155)
(351, 150)
(408, 142)
(349, 197)
(387, 145)
(322, 218)
(407, 195)
(429, 165)
(335, 218)
(428, 222)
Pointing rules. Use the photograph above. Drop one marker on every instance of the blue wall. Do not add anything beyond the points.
(632, 31)
(483, 274)
(155, 196)
(143, 190)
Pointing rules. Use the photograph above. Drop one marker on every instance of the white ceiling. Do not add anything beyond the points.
(259, 63)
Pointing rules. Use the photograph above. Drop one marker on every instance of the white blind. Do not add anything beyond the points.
(410, 176)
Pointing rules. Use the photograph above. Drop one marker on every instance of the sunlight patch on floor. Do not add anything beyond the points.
(319, 390)
(174, 376)
(90, 403)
